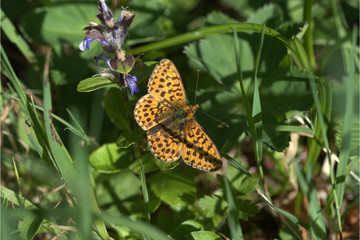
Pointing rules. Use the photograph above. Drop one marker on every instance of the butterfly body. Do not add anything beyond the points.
(172, 130)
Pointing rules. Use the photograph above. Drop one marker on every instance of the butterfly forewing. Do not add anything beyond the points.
(150, 111)
(199, 150)
(165, 82)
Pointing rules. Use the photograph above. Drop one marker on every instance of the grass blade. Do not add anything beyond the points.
(345, 145)
(135, 226)
(234, 225)
(60, 154)
(256, 108)
(12, 34)
(317, 224)
(198, 34)
(145, 192)
(249, 115)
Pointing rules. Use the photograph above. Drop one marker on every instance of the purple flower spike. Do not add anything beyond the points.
(105, 14)
(85, 44)
(130, 80)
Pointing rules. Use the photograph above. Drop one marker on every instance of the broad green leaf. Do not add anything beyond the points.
(148, 161)
(186, 228)
(142, 71)
(125, 66)
(109, 158)
(136, 206)
(53, 25)
(218, 58)
(165, 166)
(270, 14)
(12, 34)
(135, 226)
(30, 225)
(126, 139)
(11, 196)
(94, 83)
(215, 18)
(118, 109)
(172, 188)
(246, 208)
(212, 205)
(203, 235)
(242, 183)
(281, 90)
(147, 23)
(113, 189)
(243, 6)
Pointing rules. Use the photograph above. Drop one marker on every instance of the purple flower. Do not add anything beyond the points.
(110, 33)
(130, 81)
(105, 14)
(85, 44)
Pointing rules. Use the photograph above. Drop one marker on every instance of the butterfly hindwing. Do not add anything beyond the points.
(199, 150)
(165, 140)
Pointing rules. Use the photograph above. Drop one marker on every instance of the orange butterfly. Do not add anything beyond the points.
(172, 131)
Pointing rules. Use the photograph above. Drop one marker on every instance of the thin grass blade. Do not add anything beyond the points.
(233, 221)
(349, 106)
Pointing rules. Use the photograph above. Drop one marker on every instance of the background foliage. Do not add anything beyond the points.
(283, 75)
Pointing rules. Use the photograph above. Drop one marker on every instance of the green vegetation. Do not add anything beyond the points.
(283, 75)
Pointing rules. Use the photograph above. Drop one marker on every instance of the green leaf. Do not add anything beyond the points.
(30, 225)
(94, 83)
(165, 166)
(118, 109)
(55, 24)
(12, 34)
(186, 228)
(126, 139)
(143, 71)
(172, 188)
(126, 66)
(148, 162)
(214, 55)
(270, 14)
(216, 18)
(281, 88)
(286, 234)
(246, 208)
(11, 196)
(113, 190)
(109, 158)
(203, 235)
(212, 205)
(241, 182)
(147, 23)
(135, 226)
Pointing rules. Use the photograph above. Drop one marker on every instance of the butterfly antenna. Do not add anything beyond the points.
(223, 123)
(196, 87)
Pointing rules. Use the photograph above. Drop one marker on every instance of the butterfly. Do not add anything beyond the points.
(172, 131)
